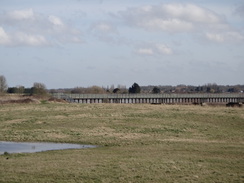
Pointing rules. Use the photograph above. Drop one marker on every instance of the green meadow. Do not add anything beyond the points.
(136, 143)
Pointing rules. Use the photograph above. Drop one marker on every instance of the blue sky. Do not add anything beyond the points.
(70, 43)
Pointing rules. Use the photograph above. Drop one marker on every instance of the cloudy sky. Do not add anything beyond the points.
(70, 43)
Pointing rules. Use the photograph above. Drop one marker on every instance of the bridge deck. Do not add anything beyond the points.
(152, 98)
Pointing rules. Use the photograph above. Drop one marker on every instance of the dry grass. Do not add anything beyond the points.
(137, 143)
(22, 99)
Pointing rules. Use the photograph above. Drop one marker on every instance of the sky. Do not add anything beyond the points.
(81, 43)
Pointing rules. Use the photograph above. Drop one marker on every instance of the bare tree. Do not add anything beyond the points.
(78, 90)
(95, 90)
(3, 84)
(39, 89)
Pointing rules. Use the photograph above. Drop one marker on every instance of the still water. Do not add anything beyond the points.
(26, 147)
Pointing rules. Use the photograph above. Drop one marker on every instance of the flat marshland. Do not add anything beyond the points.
(136, 143)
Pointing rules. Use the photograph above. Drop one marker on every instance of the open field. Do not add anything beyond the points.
(137, 143)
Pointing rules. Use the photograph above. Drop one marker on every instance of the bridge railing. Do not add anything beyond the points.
(146, 96)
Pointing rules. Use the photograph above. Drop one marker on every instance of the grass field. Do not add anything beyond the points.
(137, 143)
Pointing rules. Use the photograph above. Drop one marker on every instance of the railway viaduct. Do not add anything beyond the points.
(223, 98)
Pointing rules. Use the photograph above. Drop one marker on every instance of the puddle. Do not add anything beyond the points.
(26, 147)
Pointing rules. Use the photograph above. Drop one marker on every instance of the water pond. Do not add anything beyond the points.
(31, 147)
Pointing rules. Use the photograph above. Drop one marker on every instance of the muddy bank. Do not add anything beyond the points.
(21, 99)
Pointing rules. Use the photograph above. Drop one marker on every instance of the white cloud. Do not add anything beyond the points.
(103, 27)
(30, 40)
(170, 17)
(215, 37)
(163, 49)
(169, 25)
(225, 37)
(4, 38)
(21, 38)
(145, 51)
(182, 18)
(105, 31)
(190, 13)
(21, 14)
(55, 20)
(153, 49)
(29, 28)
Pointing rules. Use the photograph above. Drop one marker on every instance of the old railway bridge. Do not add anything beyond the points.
(223, 98)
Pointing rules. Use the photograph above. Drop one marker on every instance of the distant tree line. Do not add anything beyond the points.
(40, 89)
(37, 89)
(207, 88)
(136, 88)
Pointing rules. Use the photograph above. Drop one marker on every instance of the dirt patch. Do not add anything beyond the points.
(57, 100)
(15, 121)
(19, 101)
